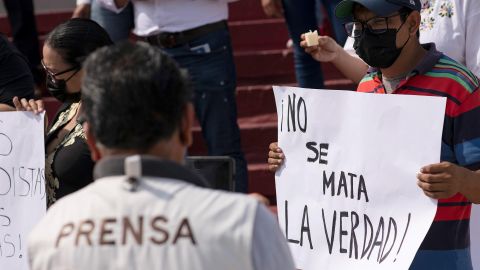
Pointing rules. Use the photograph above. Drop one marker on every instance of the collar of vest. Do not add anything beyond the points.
(147, 166)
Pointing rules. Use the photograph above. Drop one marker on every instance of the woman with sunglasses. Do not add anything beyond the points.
(68, 163)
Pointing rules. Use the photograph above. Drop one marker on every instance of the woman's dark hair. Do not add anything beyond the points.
(76, 38)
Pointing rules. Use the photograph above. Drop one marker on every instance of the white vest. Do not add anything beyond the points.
(155, 16)
(163, 224)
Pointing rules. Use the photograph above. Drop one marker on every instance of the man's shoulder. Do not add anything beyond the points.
(450, 74)
(446, 78)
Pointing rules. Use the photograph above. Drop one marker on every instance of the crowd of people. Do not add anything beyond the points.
(143, 199)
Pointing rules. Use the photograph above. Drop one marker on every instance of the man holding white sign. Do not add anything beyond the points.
(335, 213)
(385, 33)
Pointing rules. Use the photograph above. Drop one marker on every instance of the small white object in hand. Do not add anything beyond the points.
(311, 38)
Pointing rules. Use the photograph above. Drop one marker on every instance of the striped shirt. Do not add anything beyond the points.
(447, 244)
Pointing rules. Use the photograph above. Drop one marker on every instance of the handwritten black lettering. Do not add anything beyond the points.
(366, 220)
(286, 226)
(391, 223)
(353, 238)
(22, 181)
(332, 234)
(305, 228)
(6, 145)
(343, 214)
(5, 221)
(318, 154)
(296, 114)
(329, 182)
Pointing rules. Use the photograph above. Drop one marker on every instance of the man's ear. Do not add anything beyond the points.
(91, 142)
(413, 21)
(186, 137)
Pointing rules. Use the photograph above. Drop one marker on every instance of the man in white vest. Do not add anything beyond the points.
(145, 210)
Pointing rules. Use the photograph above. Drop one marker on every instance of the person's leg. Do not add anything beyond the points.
(301, 17)
(209, 61)
(24, 31)
(118, 26)
(338, 30)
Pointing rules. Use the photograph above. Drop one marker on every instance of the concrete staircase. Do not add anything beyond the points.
(262, 60)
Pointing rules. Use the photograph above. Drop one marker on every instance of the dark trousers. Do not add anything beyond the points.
(209, 62)
(24, 31)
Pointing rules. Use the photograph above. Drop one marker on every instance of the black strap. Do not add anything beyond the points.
(151, 166)
(175, 39)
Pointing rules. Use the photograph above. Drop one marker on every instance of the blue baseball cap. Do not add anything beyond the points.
(382, 8)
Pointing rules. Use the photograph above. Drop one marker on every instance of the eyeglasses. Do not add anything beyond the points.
(52, 76)
(376, 25)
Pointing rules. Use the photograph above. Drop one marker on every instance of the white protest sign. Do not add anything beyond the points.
(22, 184)
(347, 194)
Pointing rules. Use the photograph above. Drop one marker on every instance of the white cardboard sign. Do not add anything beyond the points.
(347, 194)
(22, 184)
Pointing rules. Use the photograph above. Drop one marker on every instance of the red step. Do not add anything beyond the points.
(264, 63)
(255, 35)
(252, 65)
(245, 10)
(255, 100)
(255, 139)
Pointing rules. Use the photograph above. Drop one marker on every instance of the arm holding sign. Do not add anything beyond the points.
(444, 180)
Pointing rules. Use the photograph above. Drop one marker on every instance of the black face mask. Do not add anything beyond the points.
(58, 89)
(378, 50)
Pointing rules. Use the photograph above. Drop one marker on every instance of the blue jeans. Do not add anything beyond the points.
(118, 26)
(301, 16)
(209, 61)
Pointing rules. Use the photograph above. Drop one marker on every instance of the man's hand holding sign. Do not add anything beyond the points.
(444, 180)
(346, 176)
